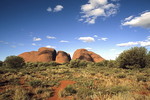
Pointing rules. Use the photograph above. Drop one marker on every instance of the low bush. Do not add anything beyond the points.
(121, 76)
(117, 89)
(142, 78)
(39, 64)
(53, 63)
(102, 63)
(78, 63)
(68, 91)
(36, 83)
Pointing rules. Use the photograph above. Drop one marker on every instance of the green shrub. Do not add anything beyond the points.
(142, 78)
(117, 89)
(121, 76)
(14, 62)
(68, 91)
(133, 57)
(39, 64)
(103, 63)
(77, 63)
(53, 63)
(112, 63)
(36, 83)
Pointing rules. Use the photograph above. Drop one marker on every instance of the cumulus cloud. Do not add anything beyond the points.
(49, 46)
(96, 8)
(141, 43)
(103, 39)
(37, 39)
(58, 8)
(63, 41)
(140, 21)
(50, 37)
(49, 9)
(86, 39)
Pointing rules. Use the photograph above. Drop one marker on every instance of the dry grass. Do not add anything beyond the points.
(92, 83)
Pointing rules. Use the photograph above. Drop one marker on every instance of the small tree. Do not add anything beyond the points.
(134, 57)
(14, 62)
(148, 60)
(1, 63)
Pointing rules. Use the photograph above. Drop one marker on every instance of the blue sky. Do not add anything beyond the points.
(106, 27)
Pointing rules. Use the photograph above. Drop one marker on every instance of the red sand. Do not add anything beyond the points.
(63, 84)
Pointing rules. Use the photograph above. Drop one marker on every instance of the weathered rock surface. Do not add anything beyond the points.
(46, 54)
(42, 55)
(62, 57)
(86, 55)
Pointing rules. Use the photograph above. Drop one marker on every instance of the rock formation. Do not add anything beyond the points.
(62, 57)
(42, 55)
(49, 54)
(86, 55)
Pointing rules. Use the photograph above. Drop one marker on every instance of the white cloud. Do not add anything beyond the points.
(33, 44)
(96, 8)
(95, 36)
(50, 37)
(103, 39)
(58, 8)
(49, 9)
(63, 41)
(36, 39)
(145, 43)
(48, 46)
(88, 48)
(127, 44)
(128, 18)
(141, 43)
(141, 21)
(86, 39)
(115, 0)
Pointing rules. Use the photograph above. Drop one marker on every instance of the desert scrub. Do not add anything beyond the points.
(68, 91)
(142, 78)
(78, 63)
(117, 89)
(35, 83)
(20, 94)
(43, 92)
(7, 94)
(121, 76)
